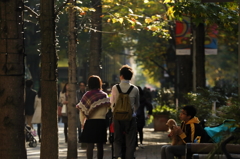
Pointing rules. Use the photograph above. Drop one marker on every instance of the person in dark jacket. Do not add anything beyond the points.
(30, 95)
(144, 103)
(189, 131)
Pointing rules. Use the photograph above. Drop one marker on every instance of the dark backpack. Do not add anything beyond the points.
(122, 108)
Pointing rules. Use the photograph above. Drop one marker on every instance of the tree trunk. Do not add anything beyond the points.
(96, 39)
(72, 69)
(49, 144)
(184, 73)
(200, 56)
(12, 81)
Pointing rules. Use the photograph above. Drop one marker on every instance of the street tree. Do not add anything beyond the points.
(49, 143)
(95, 39)
(12, 80)
(72, 82)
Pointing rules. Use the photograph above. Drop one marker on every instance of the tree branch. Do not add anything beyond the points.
(171, 76)
(61, 7)
(31, 11)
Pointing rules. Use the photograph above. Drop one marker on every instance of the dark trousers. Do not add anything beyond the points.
(125, 131)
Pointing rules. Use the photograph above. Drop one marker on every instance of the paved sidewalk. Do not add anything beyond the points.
(153, 140)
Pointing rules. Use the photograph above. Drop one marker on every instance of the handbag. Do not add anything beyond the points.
(64, 110)
(59, 111)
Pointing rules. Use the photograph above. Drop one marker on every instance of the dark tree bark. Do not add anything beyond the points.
(200, 56)
(96, 39)
(72, 81)
(185, 76)
(12, 80)
(49, 144)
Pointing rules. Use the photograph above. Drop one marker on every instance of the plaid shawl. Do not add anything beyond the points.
(93, 99)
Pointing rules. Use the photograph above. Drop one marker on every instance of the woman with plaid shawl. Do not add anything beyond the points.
(93, 108)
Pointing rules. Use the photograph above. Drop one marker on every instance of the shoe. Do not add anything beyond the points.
(141, 146)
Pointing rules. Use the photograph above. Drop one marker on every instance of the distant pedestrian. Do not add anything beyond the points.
(93, 109)
(148, 94)
(30, 95)
(144, 103)
(125, 131)
(80, 92)
(63, 99)
(38, 113)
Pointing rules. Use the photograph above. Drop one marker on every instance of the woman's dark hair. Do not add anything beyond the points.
(190, 110)
(94, 82)
(127, 72)
(65, 88)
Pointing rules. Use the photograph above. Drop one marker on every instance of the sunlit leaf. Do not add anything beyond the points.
(148, 20)
(121, 20)
(130, 10)
(114, 20)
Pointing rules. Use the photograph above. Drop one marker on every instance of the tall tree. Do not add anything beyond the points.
(200, 56)
(72, 69)
(12, 80)
(49, 145)
(96, 39)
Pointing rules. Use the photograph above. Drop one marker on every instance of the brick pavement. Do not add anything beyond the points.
(153, 140)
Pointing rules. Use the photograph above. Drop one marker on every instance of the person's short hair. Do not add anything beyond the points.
(29, 83)
(190, 110)
(94, 82)
(82, 82)
(127, 72)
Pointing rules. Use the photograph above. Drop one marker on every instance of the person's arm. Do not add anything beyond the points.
(149, 107)
(137, 101)
(187, 137)
(113, 97)
(82, 118)
(60, 100)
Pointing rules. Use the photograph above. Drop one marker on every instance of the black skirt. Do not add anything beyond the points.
(94, 131)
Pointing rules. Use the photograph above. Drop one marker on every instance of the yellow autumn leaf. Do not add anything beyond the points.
(120, 20)
(114, 20)
(164, 30)
(91, 9)
(153, 28)
(117, 15)
(148, 20)
(78, 9)
(170, 12)
(109, 20)
(131, 21)
(168, 1)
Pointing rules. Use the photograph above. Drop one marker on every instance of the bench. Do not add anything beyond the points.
(202, 150)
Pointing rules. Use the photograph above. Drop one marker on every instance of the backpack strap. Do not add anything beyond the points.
(129, 90)
(120, 91)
